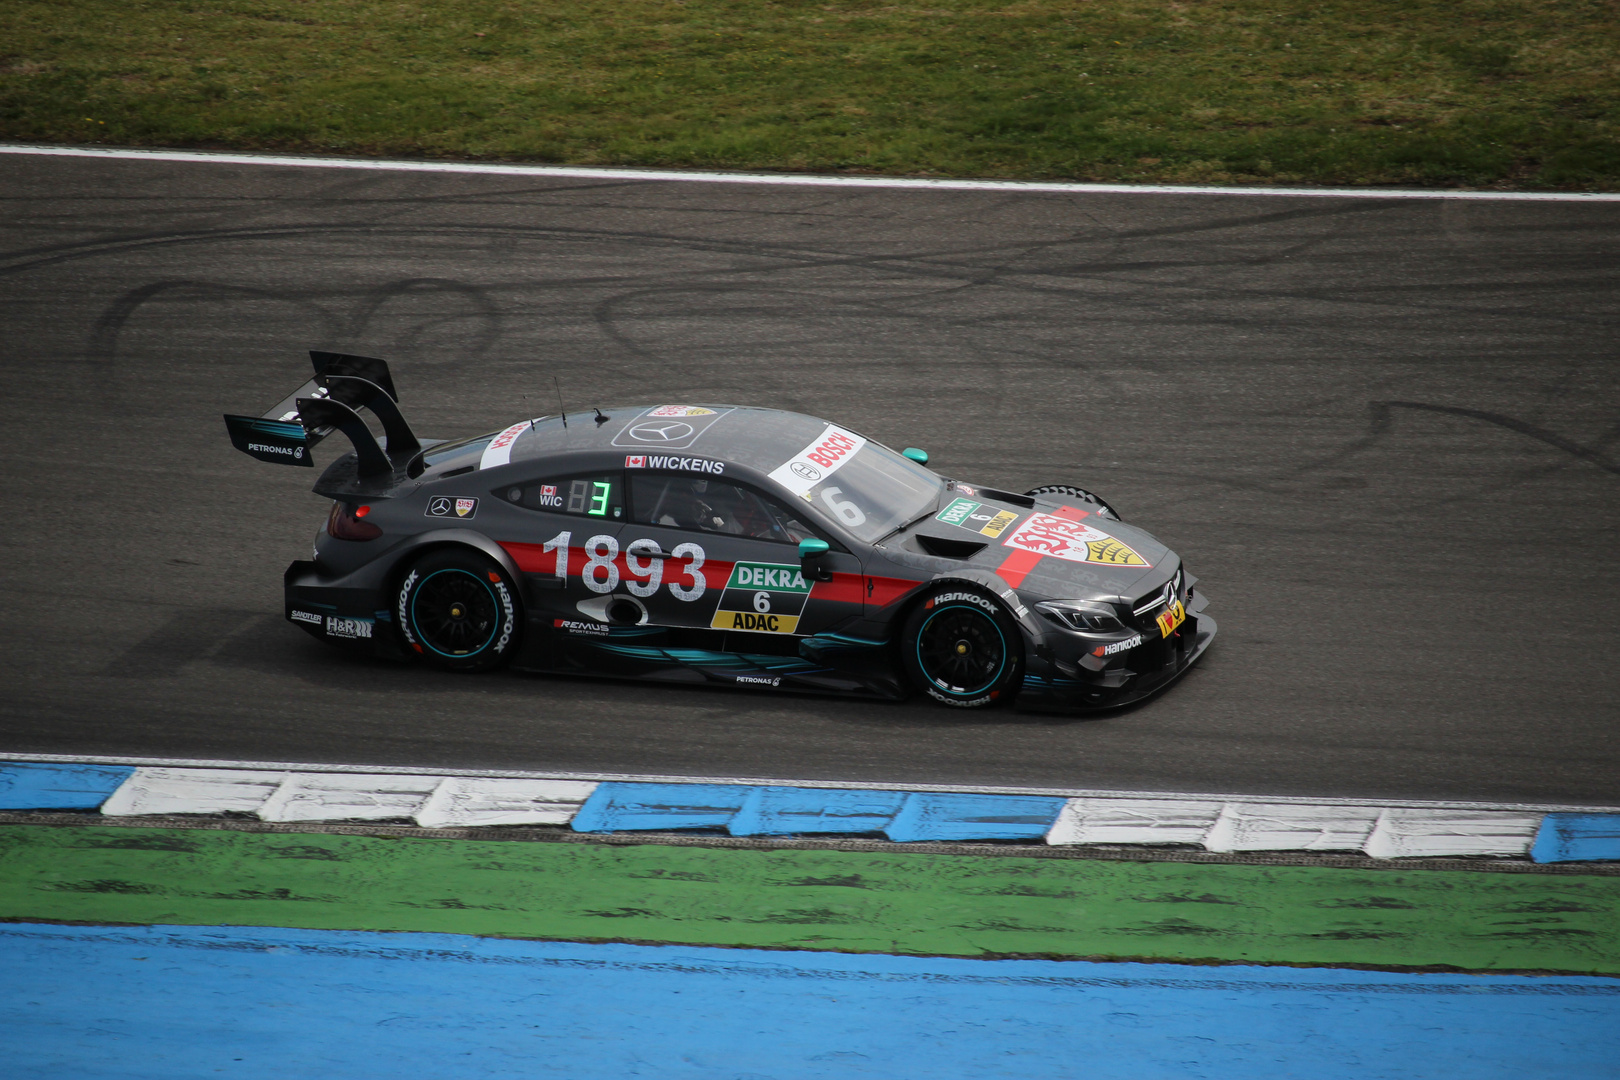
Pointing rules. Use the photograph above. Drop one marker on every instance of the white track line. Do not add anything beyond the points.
(790, 179)
(838, 785)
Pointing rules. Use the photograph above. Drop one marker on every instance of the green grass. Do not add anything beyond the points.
(1479, 93)
(951, 905)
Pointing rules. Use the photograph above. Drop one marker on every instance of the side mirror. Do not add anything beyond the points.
(810, 552)
(919, 456)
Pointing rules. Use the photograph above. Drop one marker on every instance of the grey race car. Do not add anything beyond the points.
(708, 543)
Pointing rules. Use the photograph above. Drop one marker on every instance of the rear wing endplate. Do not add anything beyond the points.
(329, 402)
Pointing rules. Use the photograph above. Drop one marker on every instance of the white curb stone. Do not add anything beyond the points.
(1403, 833)
(1133, 821)
(1283, 827)
(463, 801)
(192, 791)
(347, 797)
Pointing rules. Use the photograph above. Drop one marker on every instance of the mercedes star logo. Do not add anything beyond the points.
(662, 431)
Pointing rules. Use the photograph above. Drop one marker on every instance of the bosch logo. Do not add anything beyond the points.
(665, 431)
(807, 471)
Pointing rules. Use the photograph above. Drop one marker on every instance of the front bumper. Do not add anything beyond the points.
(1063, 674)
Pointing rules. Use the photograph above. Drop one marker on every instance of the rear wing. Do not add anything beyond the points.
(330, 402)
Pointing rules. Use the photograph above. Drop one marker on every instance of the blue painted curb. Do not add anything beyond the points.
(621, 807)
(1577, 838)
(933, 816)
(788, 811)
(29, 786)
(778, 811)
(189, 1003)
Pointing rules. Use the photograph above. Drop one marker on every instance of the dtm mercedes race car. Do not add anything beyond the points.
(707, 543)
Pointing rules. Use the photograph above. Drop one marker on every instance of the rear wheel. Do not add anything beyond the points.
(1071, 492)
(457, 610)
(962, 648)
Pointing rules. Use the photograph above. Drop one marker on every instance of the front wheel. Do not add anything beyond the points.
(457, 610)
(962, 648)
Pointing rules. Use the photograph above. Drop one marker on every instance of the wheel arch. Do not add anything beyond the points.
(991, 582)
(442, 540)
(987, 580)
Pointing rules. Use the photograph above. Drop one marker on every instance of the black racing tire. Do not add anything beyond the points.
(457, 610)
(1072, 492)
(962, 648)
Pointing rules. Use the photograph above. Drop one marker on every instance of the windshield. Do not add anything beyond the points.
(867, 488)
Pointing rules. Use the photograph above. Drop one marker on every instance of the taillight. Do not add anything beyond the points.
(345, 523)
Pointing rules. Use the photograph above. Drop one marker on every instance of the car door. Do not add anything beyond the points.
(568, 542)
(705, 554)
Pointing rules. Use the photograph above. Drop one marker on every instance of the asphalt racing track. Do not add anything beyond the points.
(1385, 433)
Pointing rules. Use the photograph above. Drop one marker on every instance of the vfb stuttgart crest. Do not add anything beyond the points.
(448, 506)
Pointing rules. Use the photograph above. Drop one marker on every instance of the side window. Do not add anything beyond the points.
(597, 496)
(712, 506)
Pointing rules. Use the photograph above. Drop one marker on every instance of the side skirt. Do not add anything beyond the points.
(646, 654)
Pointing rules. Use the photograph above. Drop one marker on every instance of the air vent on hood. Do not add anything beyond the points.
(949, 549)
(1008, 497)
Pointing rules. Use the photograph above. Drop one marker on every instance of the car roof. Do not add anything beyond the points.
(760, 439)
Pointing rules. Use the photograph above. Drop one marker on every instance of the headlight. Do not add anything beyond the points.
(1092, 615)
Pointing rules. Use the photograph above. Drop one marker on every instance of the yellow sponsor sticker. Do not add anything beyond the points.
(755, 622)
(1171, 617)
(998, 524)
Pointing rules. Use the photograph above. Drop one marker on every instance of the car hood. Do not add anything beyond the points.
(1047, 551)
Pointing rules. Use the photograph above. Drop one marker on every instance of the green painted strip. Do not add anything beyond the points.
(958, 905)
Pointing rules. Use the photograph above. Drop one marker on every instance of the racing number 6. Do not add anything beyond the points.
(847, 512)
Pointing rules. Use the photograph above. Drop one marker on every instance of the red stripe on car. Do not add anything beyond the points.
(883, 591)
(1017, 565)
